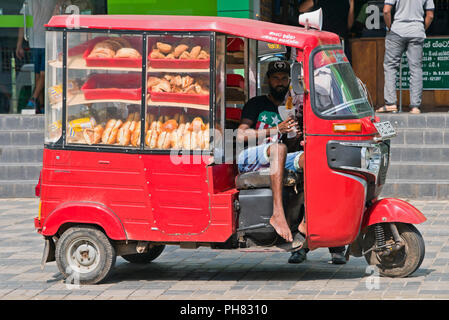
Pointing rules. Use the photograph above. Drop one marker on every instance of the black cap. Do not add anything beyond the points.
(278, 66)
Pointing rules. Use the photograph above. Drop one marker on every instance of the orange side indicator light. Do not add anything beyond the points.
(347, 127)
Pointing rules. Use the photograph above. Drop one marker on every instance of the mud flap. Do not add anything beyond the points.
(49, 252)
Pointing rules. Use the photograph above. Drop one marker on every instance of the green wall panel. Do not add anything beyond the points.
(14, 21)
(234, 5)
(163, 7)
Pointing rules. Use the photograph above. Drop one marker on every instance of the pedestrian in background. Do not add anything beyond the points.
(41, 11)
(338, 17)
(406, 34)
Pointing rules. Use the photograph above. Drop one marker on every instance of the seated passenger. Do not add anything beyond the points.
(262, 128)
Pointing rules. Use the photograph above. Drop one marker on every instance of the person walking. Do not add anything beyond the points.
(406, 33)
(41, 11)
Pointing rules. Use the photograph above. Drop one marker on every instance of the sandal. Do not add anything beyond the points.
(386, 108)
(415, 110)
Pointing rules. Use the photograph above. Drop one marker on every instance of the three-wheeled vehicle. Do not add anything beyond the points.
(137, 154)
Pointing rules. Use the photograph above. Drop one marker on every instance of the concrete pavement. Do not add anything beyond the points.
(219, 274)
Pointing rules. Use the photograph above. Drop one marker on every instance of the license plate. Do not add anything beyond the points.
(385, 129)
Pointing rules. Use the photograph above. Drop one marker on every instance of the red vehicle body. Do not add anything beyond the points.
(145, 198)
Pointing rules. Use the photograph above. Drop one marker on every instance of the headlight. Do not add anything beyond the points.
(371, 158)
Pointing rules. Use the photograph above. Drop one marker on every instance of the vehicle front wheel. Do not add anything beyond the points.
(400, 263)
(84, 255)
(145, 257)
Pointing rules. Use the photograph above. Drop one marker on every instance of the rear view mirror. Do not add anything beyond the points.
(297, 82)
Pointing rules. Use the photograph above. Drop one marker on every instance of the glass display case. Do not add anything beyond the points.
(179, 98)
(152, 92)
(54, 85)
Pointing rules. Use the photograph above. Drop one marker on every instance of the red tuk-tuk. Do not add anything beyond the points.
(136, 155)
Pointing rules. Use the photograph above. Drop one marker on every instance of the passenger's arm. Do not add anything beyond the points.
(305, 6)
(245, 133)
(428, 19)
(387, 15)
(19, 50)
(351, 14)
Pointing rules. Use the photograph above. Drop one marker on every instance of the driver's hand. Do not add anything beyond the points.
(288, 125)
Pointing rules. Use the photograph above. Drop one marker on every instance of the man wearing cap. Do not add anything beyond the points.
(261, 127)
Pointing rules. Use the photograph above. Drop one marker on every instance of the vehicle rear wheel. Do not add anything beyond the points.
(85, 255)
(400, 263)
(145, 257)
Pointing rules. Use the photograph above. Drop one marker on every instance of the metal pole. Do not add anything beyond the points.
(400, 86)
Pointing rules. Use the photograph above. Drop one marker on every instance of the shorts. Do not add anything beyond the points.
(38, 56)
(256, 158)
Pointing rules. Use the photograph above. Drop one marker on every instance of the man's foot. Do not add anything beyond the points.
(298, 256)
(280, 225)
(338, 258)
(388, 108)
(415, 110)
(32, 103)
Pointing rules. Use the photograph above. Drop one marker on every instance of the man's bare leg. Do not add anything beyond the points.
(302, 226)
(277, 153)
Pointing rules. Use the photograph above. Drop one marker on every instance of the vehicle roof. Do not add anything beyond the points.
(254, 29)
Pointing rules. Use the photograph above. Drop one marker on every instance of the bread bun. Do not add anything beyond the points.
(179, 50)
(186, 140)
(164, 47)
(156, 54)
(198, 124)
(135, 135)
(127, 53)
(161, 139)
(170, 125)
(195, 52)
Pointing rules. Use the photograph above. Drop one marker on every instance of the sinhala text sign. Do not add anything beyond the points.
(435, 65)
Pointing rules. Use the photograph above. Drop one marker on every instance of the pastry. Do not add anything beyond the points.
(195, 52)
(203, 55)
(124, 134)
(135, 136)
(164, 47)
(127, 53)
(153, 139)
(198, 124)
(156, 54)
(179, 50)
(152, 81)
(111, 131)
(162, 86)
(125, 43)
(170, 125)
(160, 139)
(186, 81)
(170, 56)
(186, 140)
(185, 55)
(93, 136)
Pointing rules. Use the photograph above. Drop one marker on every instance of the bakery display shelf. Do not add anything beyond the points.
(169, 70)
(79, 63)
(78, 99)
(177, 105)
(233, 66)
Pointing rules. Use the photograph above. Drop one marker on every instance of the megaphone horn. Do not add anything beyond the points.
(312, 19)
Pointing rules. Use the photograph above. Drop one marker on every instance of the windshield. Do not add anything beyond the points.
(338, 92)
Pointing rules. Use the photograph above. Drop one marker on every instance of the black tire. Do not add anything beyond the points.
(403, 262)
(146, 257)
(85, 255)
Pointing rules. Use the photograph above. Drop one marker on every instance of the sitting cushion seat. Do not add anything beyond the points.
(261, 179)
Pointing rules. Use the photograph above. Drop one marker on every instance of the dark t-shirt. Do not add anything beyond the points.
(335, 15)
(262, 111)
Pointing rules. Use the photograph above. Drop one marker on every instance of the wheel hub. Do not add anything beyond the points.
(83, 256)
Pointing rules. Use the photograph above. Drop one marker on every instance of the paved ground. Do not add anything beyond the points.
(218, 274)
